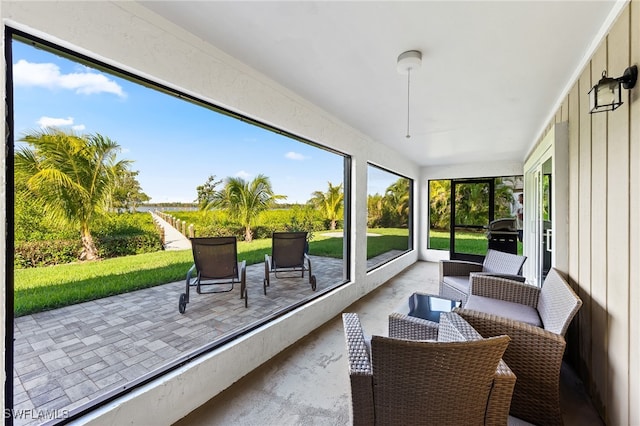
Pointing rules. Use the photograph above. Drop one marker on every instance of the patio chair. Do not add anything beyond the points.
(215, 264)
(536, 320)
(449, 381)
(288, 254)
(455, 274)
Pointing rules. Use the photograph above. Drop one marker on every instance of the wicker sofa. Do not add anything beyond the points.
(455, 275)
(536, 320)
(460, 379)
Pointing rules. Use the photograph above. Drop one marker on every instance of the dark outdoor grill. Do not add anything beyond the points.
(503, 235)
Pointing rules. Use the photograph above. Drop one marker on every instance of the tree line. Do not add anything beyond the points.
(472, 202)
(244, 200)
(74, 179)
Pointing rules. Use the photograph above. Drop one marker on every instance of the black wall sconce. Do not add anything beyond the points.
(607, 94)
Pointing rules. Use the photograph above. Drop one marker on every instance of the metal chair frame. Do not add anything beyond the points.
(215, 264)
(288, 254)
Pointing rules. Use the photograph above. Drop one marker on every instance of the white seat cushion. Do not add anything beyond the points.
(460, 283)
(502, 308)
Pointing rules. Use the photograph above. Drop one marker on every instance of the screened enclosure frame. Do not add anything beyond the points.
(12, 34)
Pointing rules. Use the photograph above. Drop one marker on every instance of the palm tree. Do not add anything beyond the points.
(329, 203)
(375, 210)
(397, 198)
(244, 201)
(71, 176)
(440, 204)
(472, 204)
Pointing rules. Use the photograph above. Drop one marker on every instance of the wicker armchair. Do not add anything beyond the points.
(453, 328)
(455, 274)
(407, 382)
(536, 320)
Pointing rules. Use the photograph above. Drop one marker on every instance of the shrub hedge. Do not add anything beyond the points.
(121, 234)
(114, 235)
(31, 254)
(217, 223)
(124, 245)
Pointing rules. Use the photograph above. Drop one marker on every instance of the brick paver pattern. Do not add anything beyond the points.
(66, 357)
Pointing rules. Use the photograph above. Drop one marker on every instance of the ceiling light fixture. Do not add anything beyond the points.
(407, 62)
(607, 94)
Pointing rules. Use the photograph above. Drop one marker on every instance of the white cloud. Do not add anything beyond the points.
(45, 121)
(48, 75)
(55, 122)
(242, 174)
(295, 156)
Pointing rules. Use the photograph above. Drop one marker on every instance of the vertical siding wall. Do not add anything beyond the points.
(604, 228)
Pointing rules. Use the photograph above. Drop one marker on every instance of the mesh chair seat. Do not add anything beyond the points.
(216, 268)
(288, 254)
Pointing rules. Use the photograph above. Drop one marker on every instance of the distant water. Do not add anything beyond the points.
(166, 209)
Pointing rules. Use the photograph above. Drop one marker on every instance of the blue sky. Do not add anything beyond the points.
(174, 144)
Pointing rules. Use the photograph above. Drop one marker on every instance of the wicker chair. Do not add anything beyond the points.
(536, 320)
(455, 274)
(395, 381)
(453, 328)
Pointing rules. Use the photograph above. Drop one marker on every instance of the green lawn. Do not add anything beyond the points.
(40, 289)
(389, 239)
(466, 242)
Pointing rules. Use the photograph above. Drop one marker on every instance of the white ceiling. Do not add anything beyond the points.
(491, 72)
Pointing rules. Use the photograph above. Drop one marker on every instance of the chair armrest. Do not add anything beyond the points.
(308, 259)
(500, 396)
(504, 289)
(512, 277)
(242, 269)
(458, 268)
(190, 273)
(357, 348)
(403, 326)
(360, 371)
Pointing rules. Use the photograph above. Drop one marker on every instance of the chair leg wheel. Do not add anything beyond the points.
(182, 303)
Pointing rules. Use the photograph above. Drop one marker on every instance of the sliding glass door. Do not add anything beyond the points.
(471, 211)
(546, 206)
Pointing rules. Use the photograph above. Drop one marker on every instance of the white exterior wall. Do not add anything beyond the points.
(130, 37)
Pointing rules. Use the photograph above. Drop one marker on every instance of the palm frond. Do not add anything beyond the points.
(71, 175)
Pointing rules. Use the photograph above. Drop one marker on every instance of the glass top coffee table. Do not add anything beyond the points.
(418, 317)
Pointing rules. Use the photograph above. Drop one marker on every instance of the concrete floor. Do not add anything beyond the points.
(307, 384)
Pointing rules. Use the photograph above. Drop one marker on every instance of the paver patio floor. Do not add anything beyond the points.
(66, 357)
